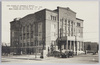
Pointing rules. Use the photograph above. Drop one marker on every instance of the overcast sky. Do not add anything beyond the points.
(86, 10)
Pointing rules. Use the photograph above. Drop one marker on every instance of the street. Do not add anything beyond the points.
(81, 59)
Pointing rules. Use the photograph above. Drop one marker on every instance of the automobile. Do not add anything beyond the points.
(66, 54)
(94, 53)
(63, 55)
(56, 53)
(69, 53)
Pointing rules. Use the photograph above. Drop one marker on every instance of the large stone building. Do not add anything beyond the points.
(36, 32)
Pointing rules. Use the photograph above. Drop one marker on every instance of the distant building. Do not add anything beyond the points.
(91, 47)
(5, 48)
(36, 32)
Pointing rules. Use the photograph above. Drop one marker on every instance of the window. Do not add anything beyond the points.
(31, 34)
(39, 25)
(55, 18)
(21, 37)
(68, 23)
(27, 43)
(40, 43)
(31, 27)
(27, 28)
(72, 28)
(23, 29)
(23, 44)
(24, 36)
(31, 44)
(72, 23)
(27, 35)
(39, 34)
(78, 24)
(51, 17)
(65, 22)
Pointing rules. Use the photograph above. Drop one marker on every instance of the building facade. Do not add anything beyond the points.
(35, 33)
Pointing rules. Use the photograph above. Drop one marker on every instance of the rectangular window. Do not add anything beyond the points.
(65, 22)
(78, 24)
(31, 44)
(55, 18)
(24, 36)
(23, 44)
(27, 35)
(21, 37)
(27, 28)
(27, 43)
(68, 28)
(31, 34)
(51, 17)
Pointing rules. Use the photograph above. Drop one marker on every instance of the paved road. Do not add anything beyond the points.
(87, 59)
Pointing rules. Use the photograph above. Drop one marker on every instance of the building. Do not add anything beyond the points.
(91, 47)
(5, 49)
(35, 33)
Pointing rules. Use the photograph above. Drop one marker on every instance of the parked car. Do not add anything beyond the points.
(69, 53)
(65, 54)
(56, 53)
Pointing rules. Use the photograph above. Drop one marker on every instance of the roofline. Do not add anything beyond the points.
(79, 19)
(67, 9)
(40, 11)
(50, 10)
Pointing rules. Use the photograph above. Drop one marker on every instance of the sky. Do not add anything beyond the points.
(86, 10)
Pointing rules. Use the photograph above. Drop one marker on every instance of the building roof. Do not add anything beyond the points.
(67, 9)
(51, 10)
(79, 19)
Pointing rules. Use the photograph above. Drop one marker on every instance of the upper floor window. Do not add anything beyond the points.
(68, 23)
(71, 22)
(27, 28)
(53, 17)
(78, 24)
(31, 34)
(65, 22)
(23, 29)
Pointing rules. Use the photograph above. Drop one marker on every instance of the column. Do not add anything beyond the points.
(22, 40)
(74, 46)
(83, 46)
(70, 28)
(80, 45)
(70, 45)
(66, 44)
